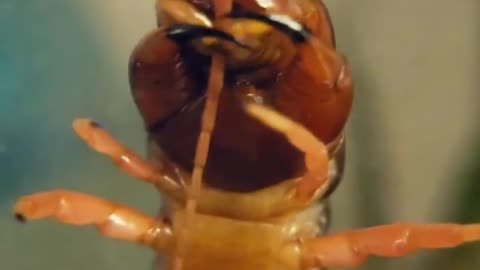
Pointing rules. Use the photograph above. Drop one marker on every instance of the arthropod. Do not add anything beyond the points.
(275, 152)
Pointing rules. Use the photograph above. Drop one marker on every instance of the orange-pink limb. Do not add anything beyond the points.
(316, 153)
(350, 249)
(125, 159)
(111, 219)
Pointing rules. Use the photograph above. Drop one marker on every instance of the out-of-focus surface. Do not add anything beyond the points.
(413, 153)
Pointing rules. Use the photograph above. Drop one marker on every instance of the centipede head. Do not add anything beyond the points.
(268, 59)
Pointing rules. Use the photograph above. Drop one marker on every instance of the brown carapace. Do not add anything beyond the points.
(245, 104)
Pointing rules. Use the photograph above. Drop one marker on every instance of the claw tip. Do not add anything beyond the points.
(95, 124)
(20, 218)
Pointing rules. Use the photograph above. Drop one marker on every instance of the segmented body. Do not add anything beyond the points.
(246, 155)
(276, 152)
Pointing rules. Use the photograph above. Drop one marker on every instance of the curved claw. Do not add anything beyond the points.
(184, 33)
(316, 153)
(350, 249)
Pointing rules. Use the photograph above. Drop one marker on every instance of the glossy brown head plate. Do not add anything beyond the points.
(168, 81)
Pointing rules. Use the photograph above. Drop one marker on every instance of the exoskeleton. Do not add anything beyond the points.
(275, 144)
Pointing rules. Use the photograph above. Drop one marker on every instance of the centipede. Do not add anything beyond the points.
(245, 105)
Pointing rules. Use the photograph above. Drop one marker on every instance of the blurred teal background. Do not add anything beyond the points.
(414, 154)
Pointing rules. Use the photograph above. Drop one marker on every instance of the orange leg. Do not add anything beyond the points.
(126, 160)
(316, 153)
(112, 220)
(350, 249)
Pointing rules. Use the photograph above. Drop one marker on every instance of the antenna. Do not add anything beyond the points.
(215, 85)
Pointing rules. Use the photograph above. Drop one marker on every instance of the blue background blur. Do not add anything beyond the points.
(413, 150)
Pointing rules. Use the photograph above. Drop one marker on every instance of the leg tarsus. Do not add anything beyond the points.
(351, 249)
(126, 160)
(112, 220)
(99, 140)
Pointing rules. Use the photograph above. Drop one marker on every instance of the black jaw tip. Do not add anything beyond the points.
(185, 33)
